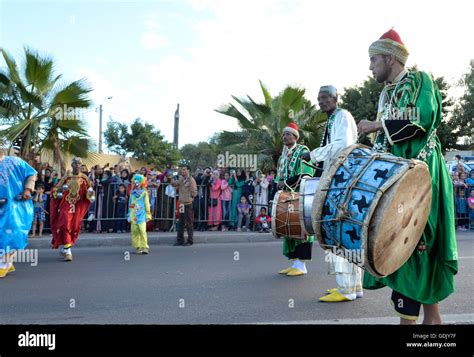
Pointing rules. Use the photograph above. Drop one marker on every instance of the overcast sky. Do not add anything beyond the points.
(151, 55)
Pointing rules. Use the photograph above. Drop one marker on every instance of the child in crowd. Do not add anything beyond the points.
(470, 203)
(153, 184)
(39, 202)
(460, 190)
(243, 209)
(226, 200)
(120, 200)
(263, 221)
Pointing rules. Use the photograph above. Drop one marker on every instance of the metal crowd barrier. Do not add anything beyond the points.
(165, 215)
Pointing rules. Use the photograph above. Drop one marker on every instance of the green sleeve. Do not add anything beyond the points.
(305, 168)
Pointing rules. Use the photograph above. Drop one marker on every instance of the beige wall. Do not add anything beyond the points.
(91, 160)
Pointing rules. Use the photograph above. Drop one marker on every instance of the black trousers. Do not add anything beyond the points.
(186, 220)
(302, 251)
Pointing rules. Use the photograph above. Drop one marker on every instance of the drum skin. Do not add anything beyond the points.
(376, 204)
(306, 196)
(286, 217)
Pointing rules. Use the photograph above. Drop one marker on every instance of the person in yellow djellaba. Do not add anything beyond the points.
(409, 111)
(139, 213)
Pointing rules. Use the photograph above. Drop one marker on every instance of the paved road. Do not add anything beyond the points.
(198, 285)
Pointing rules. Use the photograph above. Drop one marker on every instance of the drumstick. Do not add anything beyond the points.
(308, 163)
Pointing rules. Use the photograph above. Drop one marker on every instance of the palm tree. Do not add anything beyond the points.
(41, 110)
(263, 123)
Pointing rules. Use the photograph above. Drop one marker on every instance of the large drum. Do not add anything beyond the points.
(285, 216)
(372, 207)
(308, 188)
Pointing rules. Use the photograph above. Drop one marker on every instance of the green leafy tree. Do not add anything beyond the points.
(448, 131)
(41, 110)
(362, 101)
(262, 124)
(143, 141)
(202, 154)
(460, 127)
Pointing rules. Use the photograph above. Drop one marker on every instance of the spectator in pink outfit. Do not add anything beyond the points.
(215, 206)
(226, 200)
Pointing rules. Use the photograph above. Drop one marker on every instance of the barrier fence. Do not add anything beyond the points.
(108, 214)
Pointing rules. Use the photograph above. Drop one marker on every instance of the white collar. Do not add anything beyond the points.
(399, 77)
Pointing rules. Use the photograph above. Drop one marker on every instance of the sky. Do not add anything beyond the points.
(150, 55)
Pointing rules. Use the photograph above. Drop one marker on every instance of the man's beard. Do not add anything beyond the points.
(383, 77)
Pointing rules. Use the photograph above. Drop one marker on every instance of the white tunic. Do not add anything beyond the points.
(343, 133)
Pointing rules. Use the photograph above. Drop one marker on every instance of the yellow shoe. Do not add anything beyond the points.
(12, 269)
(359, 293)
(3, 272)
(284, 271)
(335, 296)
(295, 272)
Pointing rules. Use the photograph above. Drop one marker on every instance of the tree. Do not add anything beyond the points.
(202, 154)
(462, 121)
(142, 141)
(41, 110)
(447, 131)
(262, 124)
(362, 102)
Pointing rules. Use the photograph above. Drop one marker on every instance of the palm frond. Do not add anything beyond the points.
(38, 70)
(12, 67)
(76, 146)
(229, 138)
(74, 95)
(232, 111)
(266, 94)
(15, 131)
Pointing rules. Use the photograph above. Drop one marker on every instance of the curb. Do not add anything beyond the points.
(166, 238)
(154, 238)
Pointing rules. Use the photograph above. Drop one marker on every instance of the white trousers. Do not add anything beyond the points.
(348, 275)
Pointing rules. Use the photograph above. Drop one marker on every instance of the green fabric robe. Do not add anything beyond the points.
(236, 194)
(291, 165)
(428, 275)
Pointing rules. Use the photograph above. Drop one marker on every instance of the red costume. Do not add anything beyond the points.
(68, 211)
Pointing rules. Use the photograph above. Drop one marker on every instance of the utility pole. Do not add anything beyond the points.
(100, 126)
(100, 129)
(176, 127)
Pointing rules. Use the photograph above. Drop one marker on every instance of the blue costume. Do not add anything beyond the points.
(15, 216)
(139, 213)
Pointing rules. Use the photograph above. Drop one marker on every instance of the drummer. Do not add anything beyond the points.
(409, 112)
(289, 173)
(340, 132)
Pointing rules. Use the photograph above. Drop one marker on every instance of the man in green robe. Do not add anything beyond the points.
(409, 112)
(290, 170)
